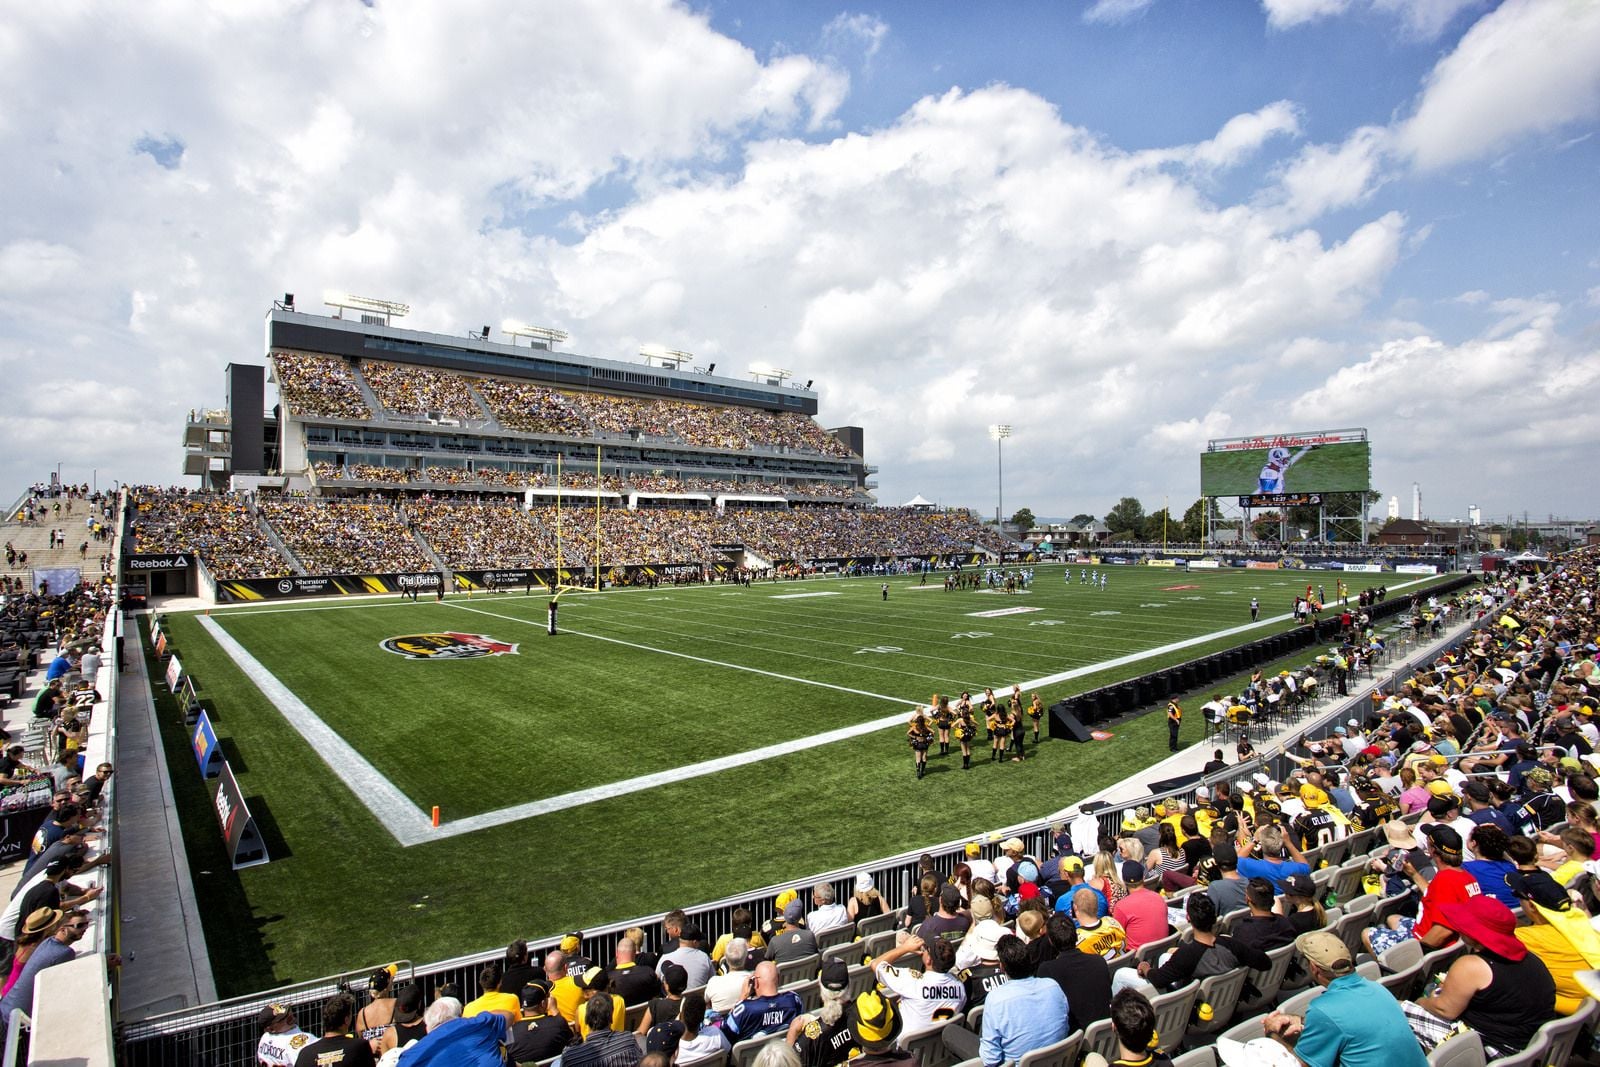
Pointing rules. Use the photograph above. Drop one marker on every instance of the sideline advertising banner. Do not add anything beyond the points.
(251, 589)
(239, 833)
(207, 752)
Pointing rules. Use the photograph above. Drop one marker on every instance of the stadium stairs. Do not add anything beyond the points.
(368, 397)
(275, 541)
(34, 539)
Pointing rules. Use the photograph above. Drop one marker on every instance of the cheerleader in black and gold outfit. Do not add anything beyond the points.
(966, 730)
(942, 718)
(999, 724)
(920, 736)
(1014, 712)
(1036, 713)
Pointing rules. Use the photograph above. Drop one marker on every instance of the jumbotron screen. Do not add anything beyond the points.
(1287, 463)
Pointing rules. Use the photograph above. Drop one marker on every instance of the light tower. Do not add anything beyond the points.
(999, 433)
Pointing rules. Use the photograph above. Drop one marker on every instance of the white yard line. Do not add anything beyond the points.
(396, 811)
(410, 825)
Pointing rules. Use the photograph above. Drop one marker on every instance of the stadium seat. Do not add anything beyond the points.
(861, 980)
(1438, 961)
(852, 953)
(810, 994)
(634, 1015)
(1101, 1037)
(928, 1045)
(974, 1020)
(877, 923)
(1063, 1053)
(1173, 1012)
(879, 943)
(1407, 953)
(1463, 1050)
(1221, 991)
(1205, 1056)
(1561, 1035)
(1248, 1030)
(794, 972)
(842, 935)
(745, 1052)
(1265, 984)
(1153, 950)
(1535, 1055)
(1296, 1005)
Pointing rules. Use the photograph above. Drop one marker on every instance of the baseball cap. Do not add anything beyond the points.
(1226, 855)
(1300, 885)
(973, 848)
(1439, 807)
(271, 1014)
(572, 942)
(1012, 844)
(664, 1037)
(794, 911)
(1540, 888)
(1326, 951)
(1133, 872)
(1071, 865)
(982, 908)
(534, 994)
(1444, 838)
(835, 973)
(1257, 1052)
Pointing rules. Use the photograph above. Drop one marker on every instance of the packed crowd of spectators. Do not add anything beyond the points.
(59, 898)
(219, 528)
(1475, 780)
(541, 409)
(479, 535)
(837, 532)
(414, 390)
(343, 537)
(318, 386)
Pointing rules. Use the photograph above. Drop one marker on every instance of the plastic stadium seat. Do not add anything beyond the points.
(1296, 1005)
(1562, 1034)
(861, 980)
(1248, 1030)
(1463, 1050)
(1063, 1053)
(1200, 1057)
(1221, 991)
(877, 923)
(1101, 1037)
(1173, 1011)
(796, 971)
(852, 953)
(810, 994)
(928, 1045)
(879, 943)
(1407, 953)
(1535, 1055)
(745, 1052)
(1267, 983)
(839, 936)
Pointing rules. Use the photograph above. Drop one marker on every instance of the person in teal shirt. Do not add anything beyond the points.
(1354, 1023)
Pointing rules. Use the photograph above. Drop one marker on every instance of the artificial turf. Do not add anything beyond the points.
(574, 711)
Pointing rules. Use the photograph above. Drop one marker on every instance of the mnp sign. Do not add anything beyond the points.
(239, 833)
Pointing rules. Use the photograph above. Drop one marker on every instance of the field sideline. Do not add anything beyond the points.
(670, 746)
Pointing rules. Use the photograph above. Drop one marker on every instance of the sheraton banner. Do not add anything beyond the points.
(248, 589)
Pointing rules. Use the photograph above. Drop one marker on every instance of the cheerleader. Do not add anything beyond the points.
(966, 728)
(920, 737)
(1014, 714)
(942, 718)
(994, 719)
(1036, 713)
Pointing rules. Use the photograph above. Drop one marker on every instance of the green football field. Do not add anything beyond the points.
(668, 747)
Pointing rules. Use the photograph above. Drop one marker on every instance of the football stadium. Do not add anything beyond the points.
(466, 644)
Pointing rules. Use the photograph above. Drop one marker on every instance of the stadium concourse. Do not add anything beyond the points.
(1421, 856)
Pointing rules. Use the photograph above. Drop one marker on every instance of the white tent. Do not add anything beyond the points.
(917, 502)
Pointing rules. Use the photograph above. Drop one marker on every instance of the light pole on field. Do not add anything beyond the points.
(999, 433)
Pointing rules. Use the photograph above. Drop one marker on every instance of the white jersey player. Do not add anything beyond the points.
(1279, 460)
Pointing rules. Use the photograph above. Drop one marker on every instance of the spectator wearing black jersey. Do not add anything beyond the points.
(1203, 953)
(1264, 929)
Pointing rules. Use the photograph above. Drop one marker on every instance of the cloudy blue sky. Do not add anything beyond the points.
(1121, 226)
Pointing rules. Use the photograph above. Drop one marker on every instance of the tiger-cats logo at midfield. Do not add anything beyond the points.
(447, 646)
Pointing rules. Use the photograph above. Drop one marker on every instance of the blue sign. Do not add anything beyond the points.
(207, 752)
